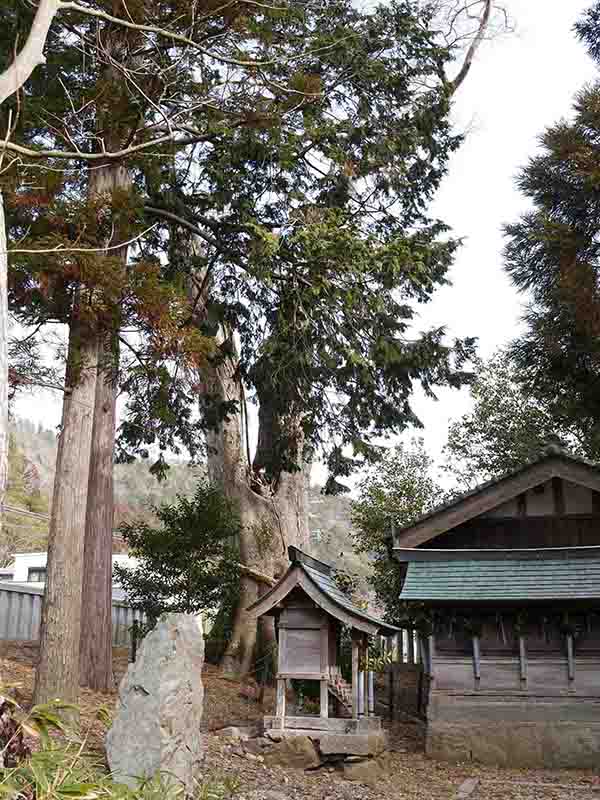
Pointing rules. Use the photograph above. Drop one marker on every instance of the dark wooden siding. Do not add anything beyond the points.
(512, 532)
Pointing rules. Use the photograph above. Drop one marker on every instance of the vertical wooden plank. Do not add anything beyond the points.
(570, 658)
(522, 505)
(355, 656)
(325, 648)
(558, 496)
(522, 660)
(282, 650)
(36, 617)
(280, 711)
(476, 659)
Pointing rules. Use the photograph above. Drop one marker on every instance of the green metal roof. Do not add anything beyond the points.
(509, 579)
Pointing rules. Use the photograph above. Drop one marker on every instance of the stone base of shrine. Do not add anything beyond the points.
(546, 732)
(335, 736)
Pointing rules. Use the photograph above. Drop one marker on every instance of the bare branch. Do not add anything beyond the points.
(32, 54)
(474, 46)
(103, 156)
(60, 249)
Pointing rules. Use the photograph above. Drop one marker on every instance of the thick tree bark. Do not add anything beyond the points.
(96, 632)
(96, 669)
(273, 517)
(58, 669)
(3, 358)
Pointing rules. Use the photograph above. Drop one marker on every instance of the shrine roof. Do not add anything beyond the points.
(317, 580)
(553, 461)
(507, 579)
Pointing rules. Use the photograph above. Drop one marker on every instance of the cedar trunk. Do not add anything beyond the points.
(96, 632)
(58, 669)
(96, 612)
(3, 358)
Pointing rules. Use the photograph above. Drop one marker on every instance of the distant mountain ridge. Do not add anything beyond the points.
(32, 459)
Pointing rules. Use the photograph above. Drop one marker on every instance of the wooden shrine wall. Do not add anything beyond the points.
(545, 676)
(513, 532)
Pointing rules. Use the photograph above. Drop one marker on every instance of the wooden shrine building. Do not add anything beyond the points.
(310, 612)
(507, 578)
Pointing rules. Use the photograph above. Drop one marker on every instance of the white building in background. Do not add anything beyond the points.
(30, 569)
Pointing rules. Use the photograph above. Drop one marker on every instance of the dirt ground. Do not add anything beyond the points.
(411, 775)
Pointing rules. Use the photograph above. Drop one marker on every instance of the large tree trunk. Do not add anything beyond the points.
(3, 358)
(96, 612)
(272, 517)
(58, 670)
(96, 632)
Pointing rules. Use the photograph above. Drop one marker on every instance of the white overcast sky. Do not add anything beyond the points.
(519, 84)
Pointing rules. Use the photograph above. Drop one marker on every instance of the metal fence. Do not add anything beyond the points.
(21, 614)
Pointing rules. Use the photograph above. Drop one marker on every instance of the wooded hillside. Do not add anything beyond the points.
(31, 474)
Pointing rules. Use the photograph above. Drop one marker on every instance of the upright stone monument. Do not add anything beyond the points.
(157, 724)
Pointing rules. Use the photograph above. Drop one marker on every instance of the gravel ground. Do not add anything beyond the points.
(411, 776)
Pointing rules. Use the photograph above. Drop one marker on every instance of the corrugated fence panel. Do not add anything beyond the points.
(21, 614)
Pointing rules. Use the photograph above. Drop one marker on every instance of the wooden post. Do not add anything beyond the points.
(366, 676)
(280, 712)
(570, 658)
(522, 660)
(476, 660)
(355, 640)
(431, 654)
(361, 693)
(371, 692)
(418, 648)
(324, 699)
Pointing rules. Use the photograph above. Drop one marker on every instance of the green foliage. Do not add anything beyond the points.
(392, 494)
(506, 427)
(553, 256)
(188, 564)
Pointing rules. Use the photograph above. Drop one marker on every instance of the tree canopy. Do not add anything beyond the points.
(552, 256)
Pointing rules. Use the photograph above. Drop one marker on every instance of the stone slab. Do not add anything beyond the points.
(467, 788)
(157, 723)
(357, 744)
(330, 724)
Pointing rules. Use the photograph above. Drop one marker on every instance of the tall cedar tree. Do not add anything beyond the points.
(143, 94)
(300, 145)
(308, 250)
(553, 256)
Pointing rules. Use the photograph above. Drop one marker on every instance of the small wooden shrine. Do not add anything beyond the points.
(507, 578)
(309, 612)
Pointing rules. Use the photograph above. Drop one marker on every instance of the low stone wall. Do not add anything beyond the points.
(558, 745)
(517, 731)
